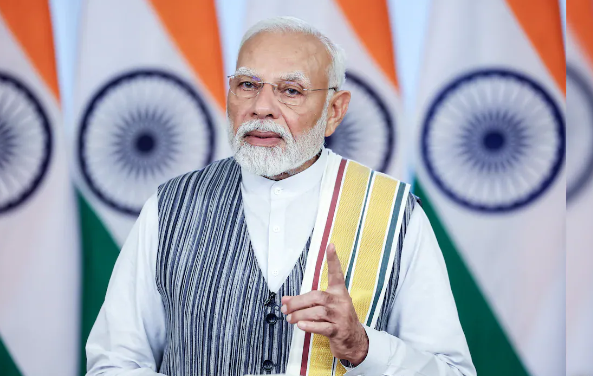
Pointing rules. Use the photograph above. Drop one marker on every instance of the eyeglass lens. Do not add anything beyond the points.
(287, 92)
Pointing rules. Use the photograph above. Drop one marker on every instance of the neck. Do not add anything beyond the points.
(295, 171)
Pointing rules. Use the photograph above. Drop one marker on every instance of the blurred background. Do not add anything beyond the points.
(103, 100)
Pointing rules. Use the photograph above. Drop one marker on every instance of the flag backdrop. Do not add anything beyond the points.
(491, 143)
(148, 105)
(579, 190)
(372, 131)
(39, 260)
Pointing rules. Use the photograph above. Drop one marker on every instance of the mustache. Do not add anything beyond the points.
(263, 126)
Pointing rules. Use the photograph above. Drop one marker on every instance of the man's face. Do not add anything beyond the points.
(274, 57)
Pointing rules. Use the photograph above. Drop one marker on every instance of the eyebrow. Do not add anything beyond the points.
(246, 72)
(296, 76)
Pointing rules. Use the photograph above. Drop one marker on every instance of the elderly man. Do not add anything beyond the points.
(286, 258)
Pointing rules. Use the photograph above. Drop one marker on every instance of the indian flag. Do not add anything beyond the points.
(491, 141)
(149, 106)
(39, 259)
(372, 131)
(579, 188)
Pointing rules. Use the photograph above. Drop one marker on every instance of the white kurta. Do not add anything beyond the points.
(423, 334)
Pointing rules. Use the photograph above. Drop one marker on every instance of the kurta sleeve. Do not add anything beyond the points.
(423, 335)
(128, 336)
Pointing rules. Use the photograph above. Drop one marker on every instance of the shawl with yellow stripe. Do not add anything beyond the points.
(361, 212)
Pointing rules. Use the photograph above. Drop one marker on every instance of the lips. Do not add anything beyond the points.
(262, 138)
(261, 134)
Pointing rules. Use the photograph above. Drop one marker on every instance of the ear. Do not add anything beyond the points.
(337, 108)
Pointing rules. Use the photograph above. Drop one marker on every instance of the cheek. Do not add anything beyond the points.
(294, 125)
(235, 115)
(300, 124)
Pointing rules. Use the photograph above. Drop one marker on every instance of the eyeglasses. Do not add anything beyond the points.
(287, 92)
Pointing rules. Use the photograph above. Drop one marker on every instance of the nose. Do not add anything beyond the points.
(265, 104)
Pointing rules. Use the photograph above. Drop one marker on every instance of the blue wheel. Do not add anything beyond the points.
(141, 129)
(579, 137)
(25, 143)
(493, 140)
(367, 132)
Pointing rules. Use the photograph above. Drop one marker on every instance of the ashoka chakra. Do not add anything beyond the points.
(141, 129)
(579, 135)
(25, 142)
(367, 132)
(493, 140)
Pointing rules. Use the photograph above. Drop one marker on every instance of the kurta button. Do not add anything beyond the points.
(271, 318)
(268, 365)
(277, 190)
(276, 229)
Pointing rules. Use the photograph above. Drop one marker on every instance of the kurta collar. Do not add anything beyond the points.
(294, 185)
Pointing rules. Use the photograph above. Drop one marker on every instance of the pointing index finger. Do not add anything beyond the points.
(335, 274)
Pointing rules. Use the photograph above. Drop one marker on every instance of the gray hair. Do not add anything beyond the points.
(337, 69)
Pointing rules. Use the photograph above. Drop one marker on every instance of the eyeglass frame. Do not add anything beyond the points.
(274, 87)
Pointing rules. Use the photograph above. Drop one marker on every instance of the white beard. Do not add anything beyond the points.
(270, 161)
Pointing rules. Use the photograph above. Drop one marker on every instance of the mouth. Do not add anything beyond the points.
(260, 138)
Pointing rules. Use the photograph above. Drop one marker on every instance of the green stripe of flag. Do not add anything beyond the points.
(491, 350)
(99, 255)
(7, 366)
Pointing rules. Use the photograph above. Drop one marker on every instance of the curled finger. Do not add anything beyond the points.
(326, 329)
(317, 314)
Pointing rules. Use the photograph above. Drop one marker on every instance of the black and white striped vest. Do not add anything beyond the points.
(221, 318)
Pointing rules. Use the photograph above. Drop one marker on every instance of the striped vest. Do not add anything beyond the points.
(221, 318)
